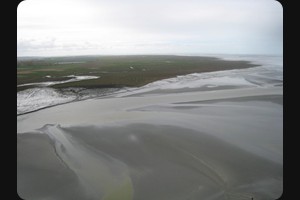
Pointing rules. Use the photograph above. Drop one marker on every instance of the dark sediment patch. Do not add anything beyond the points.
(41, 174)
(278, 99)
(169, 162)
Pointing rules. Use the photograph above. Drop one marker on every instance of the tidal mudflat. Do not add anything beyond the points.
(213, 135)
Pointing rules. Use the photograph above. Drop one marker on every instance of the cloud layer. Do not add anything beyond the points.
(80, 27)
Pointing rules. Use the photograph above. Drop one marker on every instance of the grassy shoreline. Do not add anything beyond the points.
(118, 71)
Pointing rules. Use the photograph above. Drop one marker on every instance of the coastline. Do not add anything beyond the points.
(119, 76)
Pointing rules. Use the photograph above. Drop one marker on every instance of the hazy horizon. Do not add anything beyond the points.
(179, 54)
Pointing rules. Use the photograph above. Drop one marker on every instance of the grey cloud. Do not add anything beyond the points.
(27, 44)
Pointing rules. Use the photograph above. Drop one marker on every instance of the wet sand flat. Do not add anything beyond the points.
(224, 144)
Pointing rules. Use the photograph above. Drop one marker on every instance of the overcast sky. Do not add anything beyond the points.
(96, 27)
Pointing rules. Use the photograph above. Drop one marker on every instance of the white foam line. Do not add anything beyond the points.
(49, 83)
